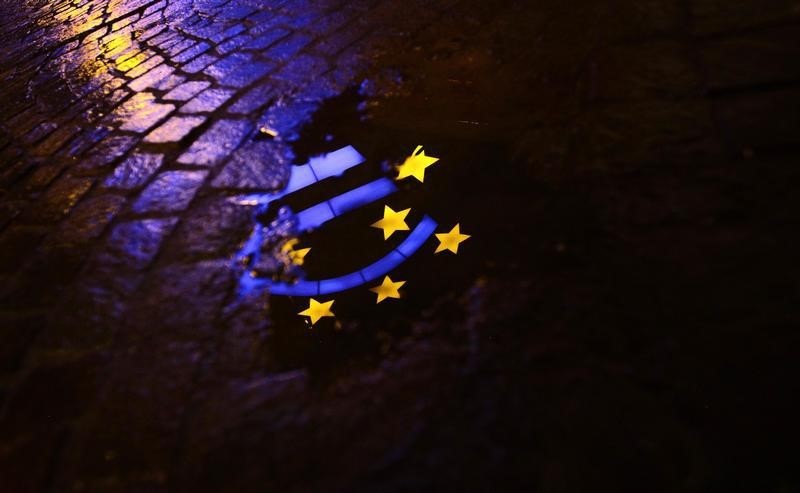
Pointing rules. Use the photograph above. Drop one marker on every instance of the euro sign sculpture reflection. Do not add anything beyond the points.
(318, 169)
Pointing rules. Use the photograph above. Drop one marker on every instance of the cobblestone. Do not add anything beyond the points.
(134, 171)
(175, 128)
(135, 244)
(171, 191)
(206, 149)
(140, 113)
(245, 170)
(207, 101)
(186, 91)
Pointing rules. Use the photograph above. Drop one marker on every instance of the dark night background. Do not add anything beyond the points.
(623, 318)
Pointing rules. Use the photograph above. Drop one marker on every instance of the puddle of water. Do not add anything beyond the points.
(333, 216)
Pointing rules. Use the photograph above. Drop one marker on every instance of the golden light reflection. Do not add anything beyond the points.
(296, 257)
(388, 289)
(415, 165)
(392, 221)
(96, 51)
(450, 241)
(317, 310)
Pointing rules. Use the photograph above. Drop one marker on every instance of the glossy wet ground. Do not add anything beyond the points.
(623, 317)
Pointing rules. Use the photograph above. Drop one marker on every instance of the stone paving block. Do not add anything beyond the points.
(134, 171)
(59, 199)
(178, 287)
(56, 140)
(103, 148)
(148, 21)
(256, 166)
(141, 112)
(163, 38)
(169, 83)
(288, 47)
(331, 45)
(207, 101)
(195, 50)
(136, 66)
(215, 229)
(156, 7)
(151, 32)
(39, 132)
(253, 100)
(287, 116)
(206, 150)
(237, 11)
(151, 78)
(174, 129)
(171, 191)
(266, 39)
(180, 47)
(187, 90)
(301, 69)
(134, 244)
(173, 40)
(225, 66)
(230, 32)
(233, 44)
(246, 75)
(87, 221)
(43, 175)
(198, 64)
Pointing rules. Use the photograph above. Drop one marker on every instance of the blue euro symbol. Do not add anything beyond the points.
(317, 169)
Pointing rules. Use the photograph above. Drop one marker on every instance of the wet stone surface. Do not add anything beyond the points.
(623, 317)
(171, 191)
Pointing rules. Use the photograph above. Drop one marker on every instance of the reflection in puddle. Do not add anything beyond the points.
(277, 239)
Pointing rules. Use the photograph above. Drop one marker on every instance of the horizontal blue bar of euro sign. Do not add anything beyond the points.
(300, 177)
(314, 217)
(362, 195)
(317, 215)
(335, 163)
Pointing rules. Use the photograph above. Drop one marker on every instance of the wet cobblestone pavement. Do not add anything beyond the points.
(623, 318)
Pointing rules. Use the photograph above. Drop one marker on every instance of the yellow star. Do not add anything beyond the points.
(317, 310)
(392, 221)
(415, 165)
(450, 241)
(297, 257)
(387, 289)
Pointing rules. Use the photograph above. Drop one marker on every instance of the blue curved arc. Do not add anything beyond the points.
(383, 266)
